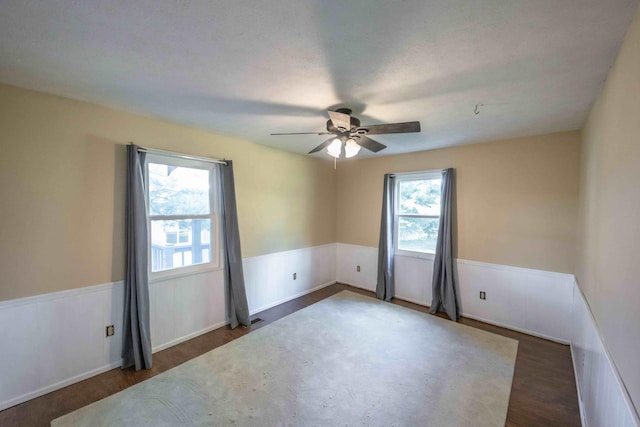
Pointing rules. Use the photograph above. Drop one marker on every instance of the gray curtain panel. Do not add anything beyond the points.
(237, 306)
(385, 285)
(136, 336)
(443, 283)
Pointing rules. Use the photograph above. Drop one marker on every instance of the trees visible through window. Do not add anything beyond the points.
(182, 213)
(417, 212)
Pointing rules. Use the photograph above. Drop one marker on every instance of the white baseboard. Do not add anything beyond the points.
(292, 297)
(480, 319)
(189, 336)
(355, 285)
(411, 300)
(60, 384)
(514, 328)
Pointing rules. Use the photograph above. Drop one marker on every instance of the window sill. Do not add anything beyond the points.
(161, 276)
(415, 254)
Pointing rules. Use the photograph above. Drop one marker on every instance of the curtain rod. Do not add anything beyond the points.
(180, 155)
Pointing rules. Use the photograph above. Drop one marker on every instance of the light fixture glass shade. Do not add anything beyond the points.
(335, 148)
(351, 148)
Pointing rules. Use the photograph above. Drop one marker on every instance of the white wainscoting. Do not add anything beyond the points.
(185, 307)
(269, 278)
(53, 340)
(532, 301)
(348, 257)
(535, 302)
(604, 400)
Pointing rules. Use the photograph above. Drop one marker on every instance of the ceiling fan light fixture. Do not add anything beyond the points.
(335, 148)
(351, 148)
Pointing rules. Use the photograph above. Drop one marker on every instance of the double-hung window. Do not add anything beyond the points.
(417, 212)
(183, 214)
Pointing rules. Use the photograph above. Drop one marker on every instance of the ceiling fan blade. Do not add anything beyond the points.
(369, 143)
(304, 133)
(323, 145)
(340, 120)
(406, 127)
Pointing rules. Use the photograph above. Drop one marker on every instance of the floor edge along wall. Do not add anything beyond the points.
(536, 302)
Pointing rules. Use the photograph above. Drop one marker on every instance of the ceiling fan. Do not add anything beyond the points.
(348, 132)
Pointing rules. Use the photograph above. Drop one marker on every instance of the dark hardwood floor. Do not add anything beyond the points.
(543, 392)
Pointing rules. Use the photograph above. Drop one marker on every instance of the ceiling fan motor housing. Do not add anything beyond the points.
(355, 124)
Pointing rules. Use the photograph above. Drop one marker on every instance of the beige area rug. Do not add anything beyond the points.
(348, 360)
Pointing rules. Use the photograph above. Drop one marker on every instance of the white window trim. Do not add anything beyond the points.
(215, 215)
(410, 176)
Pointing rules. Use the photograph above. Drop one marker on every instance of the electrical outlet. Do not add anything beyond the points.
(358, 268)
(295, 276)
(110, 331)
(483, 295)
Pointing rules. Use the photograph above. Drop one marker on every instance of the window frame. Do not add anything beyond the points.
(215, 209)
(411, 176)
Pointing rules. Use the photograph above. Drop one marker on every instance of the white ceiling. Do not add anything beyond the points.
(247, 68)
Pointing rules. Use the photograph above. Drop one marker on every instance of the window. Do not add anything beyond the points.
(417, 212)
(182, 198)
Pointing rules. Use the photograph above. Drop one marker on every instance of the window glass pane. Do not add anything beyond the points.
(420, 197)
(178, 190)
(180, 243)
(418, 234)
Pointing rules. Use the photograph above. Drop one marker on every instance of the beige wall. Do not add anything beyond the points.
(62, 191)
(516, 199)
(608, 266)
(62, 212)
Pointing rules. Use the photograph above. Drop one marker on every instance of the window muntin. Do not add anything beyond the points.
(182, 200)
(417, 210)
(180, 243)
